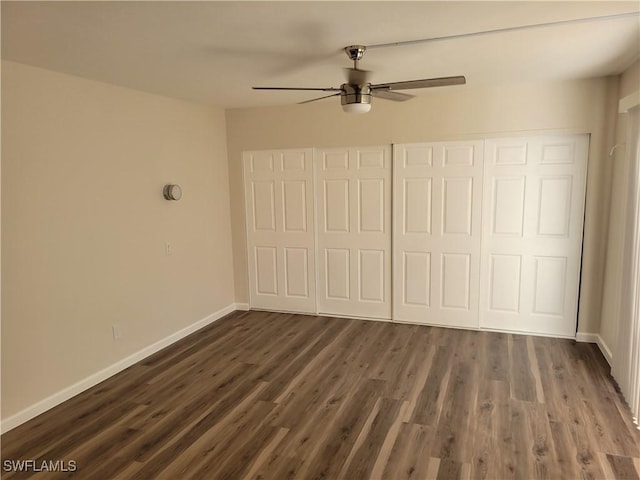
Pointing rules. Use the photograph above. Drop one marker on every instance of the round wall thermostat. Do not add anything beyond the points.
(172, 192)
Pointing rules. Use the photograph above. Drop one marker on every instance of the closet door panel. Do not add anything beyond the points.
(436, 241)
(534, 190)
(354, 231)
(280, 224)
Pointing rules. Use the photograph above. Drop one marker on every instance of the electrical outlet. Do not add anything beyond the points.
(116, 331)
(168, 249)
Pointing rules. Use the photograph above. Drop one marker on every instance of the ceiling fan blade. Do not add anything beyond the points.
(330, 89)
(425, 83)
(319, 98)
(390, 95)
(355, 76)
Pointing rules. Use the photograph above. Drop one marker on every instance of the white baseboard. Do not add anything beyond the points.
(241, 306)
(597, 339)
(92, 380)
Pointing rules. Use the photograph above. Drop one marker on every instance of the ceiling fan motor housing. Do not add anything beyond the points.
(355, 94)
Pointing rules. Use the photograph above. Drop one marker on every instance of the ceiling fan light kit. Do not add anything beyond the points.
(355, 99)
(356, 107)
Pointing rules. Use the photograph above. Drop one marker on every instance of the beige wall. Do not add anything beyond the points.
(629, 83)
(84, 226)
(630, 80)
(585, 106)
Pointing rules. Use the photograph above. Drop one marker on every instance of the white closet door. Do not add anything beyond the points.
(436, 242)
(534, 190)
(353, 188)
(280, 235)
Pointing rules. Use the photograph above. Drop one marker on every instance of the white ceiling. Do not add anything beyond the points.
(213, 52)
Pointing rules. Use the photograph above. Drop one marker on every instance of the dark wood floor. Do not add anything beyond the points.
(274, 396)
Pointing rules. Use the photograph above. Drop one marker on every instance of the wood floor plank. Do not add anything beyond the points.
(366, 448)
(455, 430)
(449, 469)
(200, 440)
(564, 450)
(525, 452)
(457, 422)
(410, 457)
(263, 395)
(311, 429)
(310, 435)
(491, 436)
(265, 454)
(241, 443)
(433, 468)
(542, 446)
(622, 467)
(521, 373)
(295, 367)
(393, 359)
(429, 402)
(400, 385)
(319, 394)
(535, 370)
(416, 387)
(337, 442)
(495, 350)
(226, 396)
(131, 471)
(563, 398)
(589, 461)
(61, 446)
(319, 363)
(79, 413)
(391, 436)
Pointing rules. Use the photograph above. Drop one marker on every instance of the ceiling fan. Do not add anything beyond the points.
(356, 93)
